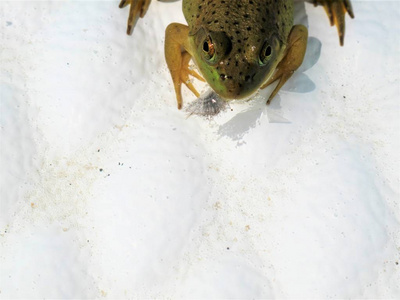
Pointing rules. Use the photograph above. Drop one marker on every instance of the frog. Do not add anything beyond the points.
(238, 46)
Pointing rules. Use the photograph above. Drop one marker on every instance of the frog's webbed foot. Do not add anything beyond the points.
(138, 8)
(336, 11)
(297, 45)
(176, 39)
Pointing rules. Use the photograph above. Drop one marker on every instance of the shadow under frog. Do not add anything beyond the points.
(237, 127)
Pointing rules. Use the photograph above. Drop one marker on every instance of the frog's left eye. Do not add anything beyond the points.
(265, 54)
(208, 48)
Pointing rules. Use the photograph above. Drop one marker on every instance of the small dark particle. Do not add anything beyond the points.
(227, 248)
(101, 170)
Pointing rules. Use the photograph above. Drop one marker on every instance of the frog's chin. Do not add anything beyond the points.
(228, 97)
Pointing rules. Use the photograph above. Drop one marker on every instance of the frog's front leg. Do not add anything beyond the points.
(336, 11)
(296, 49)
(178, 57)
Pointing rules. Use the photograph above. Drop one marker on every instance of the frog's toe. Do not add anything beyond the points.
(186, 80)
(186, 71)
(186, 57)
(138, 8)
(336, 11)
(195, 74)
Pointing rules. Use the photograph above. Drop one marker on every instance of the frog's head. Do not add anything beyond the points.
(234, 69)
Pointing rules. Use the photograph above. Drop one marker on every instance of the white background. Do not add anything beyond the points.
(109, 191)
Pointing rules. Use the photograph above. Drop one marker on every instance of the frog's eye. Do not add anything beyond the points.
(208, 48)
(265, 53)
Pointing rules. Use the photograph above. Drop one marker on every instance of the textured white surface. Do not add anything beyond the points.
(107, 190)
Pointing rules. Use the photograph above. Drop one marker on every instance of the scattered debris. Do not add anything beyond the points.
(207, 105)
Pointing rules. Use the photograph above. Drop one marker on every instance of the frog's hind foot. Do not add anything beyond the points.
(336, 11)
(138, 8)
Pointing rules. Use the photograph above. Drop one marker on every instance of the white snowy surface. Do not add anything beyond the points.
(109, 191)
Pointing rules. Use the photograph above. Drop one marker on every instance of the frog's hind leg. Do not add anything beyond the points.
(297, 44)
(336, 11)
(138, 8)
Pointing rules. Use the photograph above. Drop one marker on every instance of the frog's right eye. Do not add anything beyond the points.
(208, 48)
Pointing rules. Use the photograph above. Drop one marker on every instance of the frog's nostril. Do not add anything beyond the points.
(248, 78)
(222, 76)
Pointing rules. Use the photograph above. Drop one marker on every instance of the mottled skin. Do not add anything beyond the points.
(238, 46)
(239, 31)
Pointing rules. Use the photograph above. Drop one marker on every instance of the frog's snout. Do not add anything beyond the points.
(240, 84)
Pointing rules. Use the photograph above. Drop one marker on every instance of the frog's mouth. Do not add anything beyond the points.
(238, 86)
